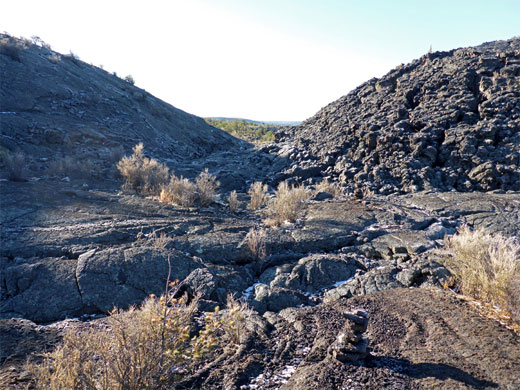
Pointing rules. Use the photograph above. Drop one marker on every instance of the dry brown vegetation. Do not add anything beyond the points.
(486, 266)
(179, 191)
(11, 48)
(151, 347)
(233, 202)
(72, 167)
(256, 243)
(207, 185)
(258, 194)
(287, 204)
(16, 165)
(142, 174)
(332, 188)
(183, 192)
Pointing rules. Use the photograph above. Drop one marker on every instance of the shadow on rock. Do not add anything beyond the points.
(439, 371)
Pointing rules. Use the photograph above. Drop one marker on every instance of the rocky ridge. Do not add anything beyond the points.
(448, 120)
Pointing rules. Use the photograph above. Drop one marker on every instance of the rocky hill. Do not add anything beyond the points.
(448, 120)
(54, 105)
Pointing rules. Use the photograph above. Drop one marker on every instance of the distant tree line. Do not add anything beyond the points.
(249, 131)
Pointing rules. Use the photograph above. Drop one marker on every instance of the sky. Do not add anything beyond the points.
(271, 60)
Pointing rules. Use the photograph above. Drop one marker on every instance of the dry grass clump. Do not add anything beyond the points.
(151, 347)
(486, 266)
(183, 192)
(258, 194)
(287, 204)
(54, 58)
(233, 202)
(256, 243)
(332, 188)
(159, 241)
(232, 320)
(16, 165)
(207, 185)
(179, 191)
(142, 174)
(71, 167)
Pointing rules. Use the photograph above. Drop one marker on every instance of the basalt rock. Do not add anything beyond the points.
(448, 120)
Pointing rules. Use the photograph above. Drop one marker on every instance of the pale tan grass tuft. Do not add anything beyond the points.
(258, 194)
(487, 267)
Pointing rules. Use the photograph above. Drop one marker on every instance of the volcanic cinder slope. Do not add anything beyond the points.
(448, 120)
(72, 248)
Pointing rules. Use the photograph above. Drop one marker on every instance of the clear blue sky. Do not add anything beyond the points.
(395, 29)
(264, 59)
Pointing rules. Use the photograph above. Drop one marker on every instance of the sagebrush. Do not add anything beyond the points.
(207, 185)
(288, 203)
(142, 174)
(151, 347)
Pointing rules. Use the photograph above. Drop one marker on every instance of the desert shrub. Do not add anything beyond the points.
(72, 167)
(11, 48)
(16, 165)
(255, 241)
(129, 79)
(486, 266)
(233, 202)
(231, 323)
(54, 58)
(135, 349)
(150, 347)
(142, 174)
(159, 241)
(258, 194)
(287, 204)
(207, 185)
(179, 191)
(332, 188)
